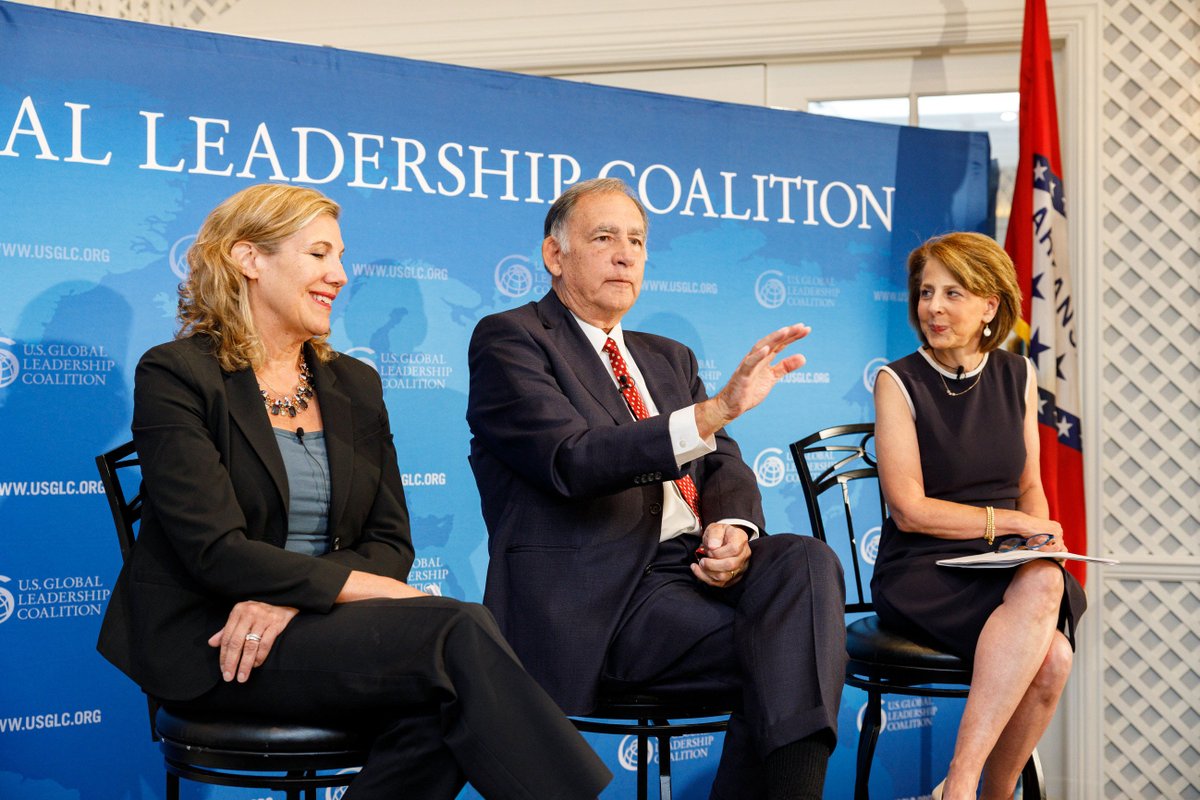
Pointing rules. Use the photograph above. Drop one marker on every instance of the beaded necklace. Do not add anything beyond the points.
(290, 405)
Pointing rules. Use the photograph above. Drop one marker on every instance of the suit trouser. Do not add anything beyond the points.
(779, 634)
(449, 698)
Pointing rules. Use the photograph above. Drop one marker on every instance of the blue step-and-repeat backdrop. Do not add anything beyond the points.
(117, 138)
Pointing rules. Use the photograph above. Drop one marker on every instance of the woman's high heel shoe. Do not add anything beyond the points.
(937, 791)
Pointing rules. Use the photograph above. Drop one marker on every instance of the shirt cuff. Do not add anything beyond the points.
(685, 437)
(750, 527)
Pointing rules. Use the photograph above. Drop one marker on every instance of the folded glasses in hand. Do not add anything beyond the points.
(1034, 542)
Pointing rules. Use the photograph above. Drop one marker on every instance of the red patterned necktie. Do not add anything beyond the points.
(687, 487)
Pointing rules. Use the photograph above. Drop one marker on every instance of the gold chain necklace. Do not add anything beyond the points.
(946, 386)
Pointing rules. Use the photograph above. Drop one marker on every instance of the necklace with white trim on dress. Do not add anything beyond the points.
(290, 405)
(946, 386)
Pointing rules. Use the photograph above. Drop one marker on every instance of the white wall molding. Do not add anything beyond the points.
(544, 37)
(1081, 720)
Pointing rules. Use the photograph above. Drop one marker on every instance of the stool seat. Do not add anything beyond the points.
(249, 735)
(868, 642)
(639, 705)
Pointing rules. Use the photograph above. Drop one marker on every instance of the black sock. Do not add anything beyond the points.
(796, 771)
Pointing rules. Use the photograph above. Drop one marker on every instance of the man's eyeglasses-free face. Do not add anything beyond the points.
(1034, 542)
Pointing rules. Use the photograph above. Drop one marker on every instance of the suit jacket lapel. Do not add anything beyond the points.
(588, 367)
(337, 420)
(246, 408)
(662, 382)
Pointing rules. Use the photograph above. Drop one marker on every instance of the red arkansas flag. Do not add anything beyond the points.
(1037, 243)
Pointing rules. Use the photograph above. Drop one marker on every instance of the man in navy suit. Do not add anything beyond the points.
(625, 530)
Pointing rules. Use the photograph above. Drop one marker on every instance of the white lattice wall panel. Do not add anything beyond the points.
(1152, 684)
(1150, 396)
(1151, 273)
(183, 13)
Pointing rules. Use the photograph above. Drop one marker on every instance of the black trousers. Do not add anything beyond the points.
(449, 698)
(779, 634)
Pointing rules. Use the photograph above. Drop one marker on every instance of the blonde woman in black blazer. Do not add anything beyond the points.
(220, 606)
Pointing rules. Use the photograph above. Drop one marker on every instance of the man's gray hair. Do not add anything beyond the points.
(560, 212)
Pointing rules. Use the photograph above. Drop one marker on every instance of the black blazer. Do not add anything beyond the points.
(215, 511)
(571, 484)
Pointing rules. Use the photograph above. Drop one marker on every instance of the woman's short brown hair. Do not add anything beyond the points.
(983, 269)
(214, 299)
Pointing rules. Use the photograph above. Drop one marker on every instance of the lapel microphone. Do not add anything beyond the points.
(960, 373)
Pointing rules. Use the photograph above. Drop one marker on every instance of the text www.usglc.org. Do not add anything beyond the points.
(63, 719)
(53, 252)
(42, 488)
(423, 478)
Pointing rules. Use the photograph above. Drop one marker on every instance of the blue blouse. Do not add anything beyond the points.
(307, 465)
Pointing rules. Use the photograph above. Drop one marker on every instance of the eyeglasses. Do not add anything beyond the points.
(1009, 543)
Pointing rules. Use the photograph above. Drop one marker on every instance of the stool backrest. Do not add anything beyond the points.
(843, 458)
(114, 466)
(126, 512)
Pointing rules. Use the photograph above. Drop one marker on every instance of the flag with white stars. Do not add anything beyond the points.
(1038, 244)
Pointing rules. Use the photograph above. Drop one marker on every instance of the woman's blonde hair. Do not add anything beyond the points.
(214, 299)
(983, 269)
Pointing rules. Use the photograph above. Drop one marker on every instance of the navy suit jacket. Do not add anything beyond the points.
(215, 513)
(572, 485)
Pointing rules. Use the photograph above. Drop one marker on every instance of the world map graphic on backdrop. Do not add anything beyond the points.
(117, 138)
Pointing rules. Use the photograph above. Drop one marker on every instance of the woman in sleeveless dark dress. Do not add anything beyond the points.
(956, 429)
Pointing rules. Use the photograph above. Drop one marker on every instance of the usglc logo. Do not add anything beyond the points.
(9, 365)
(365, 355)
(513, 276)
(883, 720)
(871, 372)
(336, 792)
(868, 546)
(7, 602)
(770, 290)
(178, 256)
(627, 753)
(769, 467)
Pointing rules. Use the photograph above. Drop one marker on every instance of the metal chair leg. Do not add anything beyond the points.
(664, 765)
(1033, 782)
(867, 739)
(295, 793)
(643, 766)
